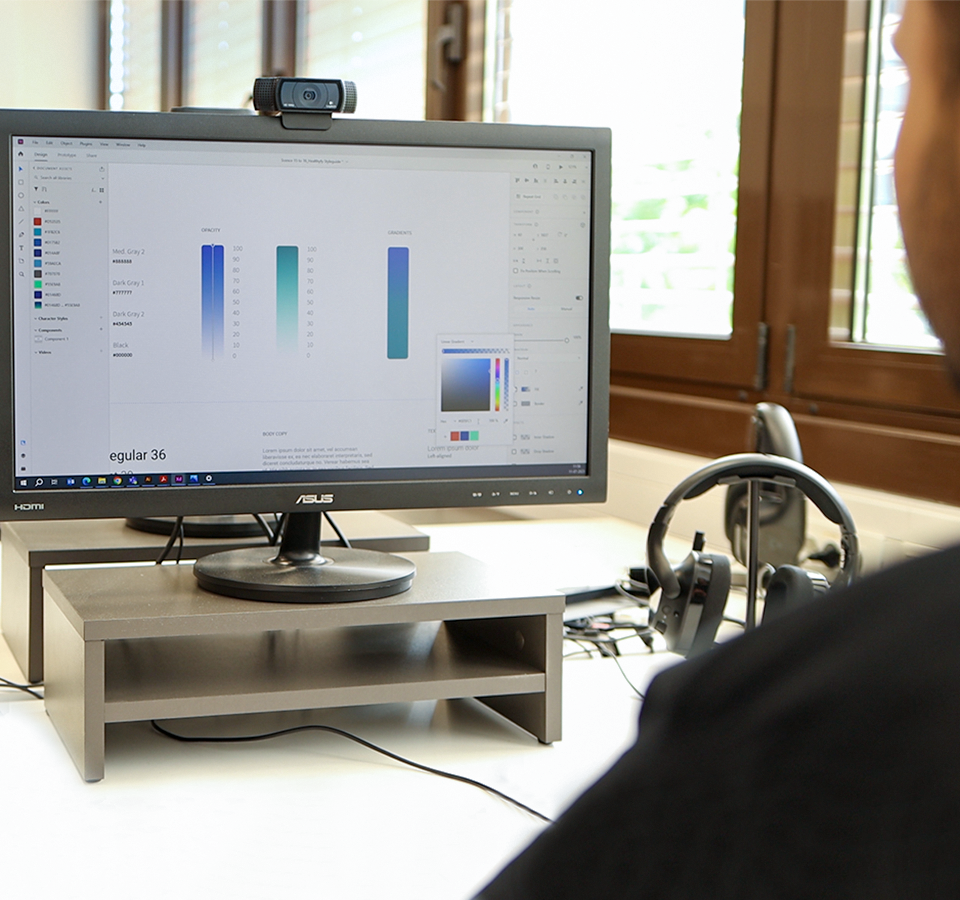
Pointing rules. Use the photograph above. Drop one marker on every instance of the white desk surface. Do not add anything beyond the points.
(312, 814)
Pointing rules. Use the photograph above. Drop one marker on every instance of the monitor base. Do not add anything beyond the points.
(341, 575)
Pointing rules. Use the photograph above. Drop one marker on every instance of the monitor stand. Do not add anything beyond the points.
(299, 573)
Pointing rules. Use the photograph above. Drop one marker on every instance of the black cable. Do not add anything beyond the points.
(177, 530)
(271, 534)
(599, 645)
(633, 687)
(604, 645)
(26, 688)
(180, 542)
(267, 530)
(588, 650)
(603, 629)
(358, 740)
(633, 590)
(600, 633)
(829, 555)
(343, 538)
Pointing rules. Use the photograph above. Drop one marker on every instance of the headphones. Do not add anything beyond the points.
(694, 594)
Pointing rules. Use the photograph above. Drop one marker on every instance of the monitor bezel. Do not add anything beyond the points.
(26, 504)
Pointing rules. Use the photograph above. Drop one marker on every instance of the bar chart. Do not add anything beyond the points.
(295, 298)
(288, 298)
(398, 302)
(211, 300)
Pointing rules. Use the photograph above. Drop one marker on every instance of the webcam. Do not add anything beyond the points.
(304, 95)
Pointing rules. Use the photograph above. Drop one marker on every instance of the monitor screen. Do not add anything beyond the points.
(212, 314)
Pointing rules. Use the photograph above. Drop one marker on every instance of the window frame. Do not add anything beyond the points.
(804, 175)
(901, 405)
(283, 35)
(732, 361)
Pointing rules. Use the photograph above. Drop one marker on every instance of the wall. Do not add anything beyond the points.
(49, 53)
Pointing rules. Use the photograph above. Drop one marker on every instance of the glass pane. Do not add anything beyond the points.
(223, 52)
(379, 45)
(884, 311)
(133, 77)
(671, 94)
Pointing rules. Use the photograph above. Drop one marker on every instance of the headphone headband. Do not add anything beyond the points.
(746, 467)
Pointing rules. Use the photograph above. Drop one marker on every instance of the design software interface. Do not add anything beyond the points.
(204, 312)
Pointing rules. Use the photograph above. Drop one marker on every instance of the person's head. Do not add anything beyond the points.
(927, 164)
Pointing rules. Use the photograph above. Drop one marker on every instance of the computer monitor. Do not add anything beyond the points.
(217, 314)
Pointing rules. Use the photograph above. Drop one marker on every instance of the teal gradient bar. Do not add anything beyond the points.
(398, 302)
(288, 287)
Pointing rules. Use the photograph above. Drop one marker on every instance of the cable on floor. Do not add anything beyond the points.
(26, 688)
(363, 743)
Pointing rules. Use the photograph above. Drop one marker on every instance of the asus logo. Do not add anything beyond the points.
(26, 507)
(315, 498)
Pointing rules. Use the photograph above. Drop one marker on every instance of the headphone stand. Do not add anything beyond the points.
(753, 550)
(694, 593)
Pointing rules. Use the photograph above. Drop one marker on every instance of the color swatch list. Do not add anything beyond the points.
(37, 263)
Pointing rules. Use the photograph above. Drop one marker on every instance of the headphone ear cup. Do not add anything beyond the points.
(714, 604)
(689, 620)
(789, 588)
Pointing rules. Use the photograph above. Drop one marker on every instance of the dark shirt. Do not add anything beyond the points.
(816, 757)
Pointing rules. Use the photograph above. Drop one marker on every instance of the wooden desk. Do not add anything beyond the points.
(134, 644)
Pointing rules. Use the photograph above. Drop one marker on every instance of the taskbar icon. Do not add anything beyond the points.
(121, 481)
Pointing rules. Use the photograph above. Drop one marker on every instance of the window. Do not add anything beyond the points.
(671, 94)
(796, 105)
(379, 45)
(863, 366)
(133, 55)
(874, 301)
(207, 53)
(816, 351)
(222, 52)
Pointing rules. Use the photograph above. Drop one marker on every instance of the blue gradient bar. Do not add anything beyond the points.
(288, 261)
(217, 301)
(206, 301)
(211, 300)
(398, 302)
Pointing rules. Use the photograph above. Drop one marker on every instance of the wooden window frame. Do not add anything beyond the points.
(801, 236)
(732, 362)
(879, 418)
